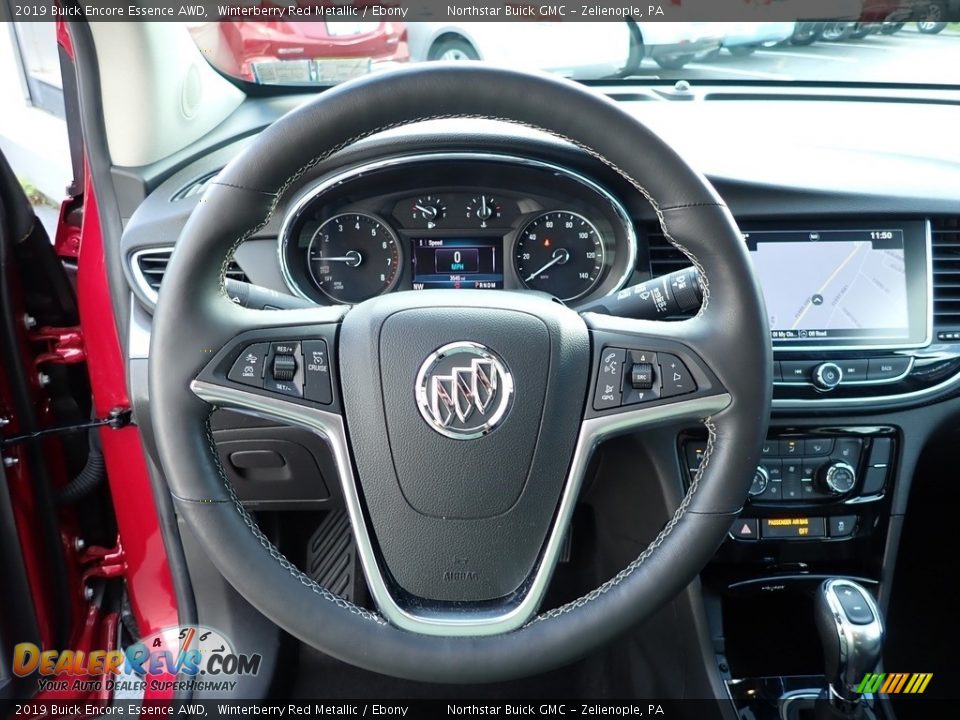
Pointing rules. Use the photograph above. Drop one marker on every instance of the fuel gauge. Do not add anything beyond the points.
(483, 208)
(429, 209)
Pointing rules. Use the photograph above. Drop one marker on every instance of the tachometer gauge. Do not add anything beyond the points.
(560, 253)
(354, 256)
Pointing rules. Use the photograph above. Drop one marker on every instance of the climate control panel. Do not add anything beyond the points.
(820, 468)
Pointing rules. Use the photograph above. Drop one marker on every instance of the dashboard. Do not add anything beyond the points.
(855, 238)
(861, 284)
(457, 220)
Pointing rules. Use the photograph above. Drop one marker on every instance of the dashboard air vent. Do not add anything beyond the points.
(946, 273)
(150, 265)
(195, 187)
(664, 257)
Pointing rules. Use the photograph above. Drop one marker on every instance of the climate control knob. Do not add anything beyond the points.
(838, 477)
(760, 479)
(826, 376)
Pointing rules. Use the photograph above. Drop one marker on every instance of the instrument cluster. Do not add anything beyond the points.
(456, 221)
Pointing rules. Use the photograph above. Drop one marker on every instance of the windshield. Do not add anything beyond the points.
(875, 41)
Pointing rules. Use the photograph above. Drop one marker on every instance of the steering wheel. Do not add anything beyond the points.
(461, 421)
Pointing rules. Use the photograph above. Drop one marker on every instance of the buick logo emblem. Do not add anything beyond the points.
(464, 390)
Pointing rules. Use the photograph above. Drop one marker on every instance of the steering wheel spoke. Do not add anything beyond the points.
(649, 372)
(462, 421)
(277, 365)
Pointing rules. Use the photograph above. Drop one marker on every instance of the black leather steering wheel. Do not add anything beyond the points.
(461, 422)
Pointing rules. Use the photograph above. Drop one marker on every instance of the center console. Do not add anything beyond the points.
(818, 509)
(850, 308)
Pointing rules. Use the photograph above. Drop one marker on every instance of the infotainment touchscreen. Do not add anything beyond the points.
(844, 287)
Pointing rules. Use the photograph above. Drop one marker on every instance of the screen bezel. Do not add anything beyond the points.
(918, 268)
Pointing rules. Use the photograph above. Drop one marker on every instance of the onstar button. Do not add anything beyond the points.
(248, 368)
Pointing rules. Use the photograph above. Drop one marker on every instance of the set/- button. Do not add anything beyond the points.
(284, 365)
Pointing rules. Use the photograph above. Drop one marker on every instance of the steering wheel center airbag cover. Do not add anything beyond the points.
(462, 519)
(194, 319)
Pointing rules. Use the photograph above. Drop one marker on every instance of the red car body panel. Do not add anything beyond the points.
(148, 578)
(234, 47)
(148, 575)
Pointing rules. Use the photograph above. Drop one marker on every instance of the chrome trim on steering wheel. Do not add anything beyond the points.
(444, 622)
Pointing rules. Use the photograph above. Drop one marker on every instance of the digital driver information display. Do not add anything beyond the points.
(830, 285)
(457, 263)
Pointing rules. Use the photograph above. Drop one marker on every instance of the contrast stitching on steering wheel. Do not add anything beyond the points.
(701, 273)
(275, 552)
(657, 541)
(708, 422)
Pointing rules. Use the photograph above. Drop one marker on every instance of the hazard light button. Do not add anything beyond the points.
(744, 529)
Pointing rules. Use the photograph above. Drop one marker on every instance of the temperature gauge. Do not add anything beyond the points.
(484, 209)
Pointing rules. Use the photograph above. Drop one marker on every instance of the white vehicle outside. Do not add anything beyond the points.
(742, 38)
(671, 45)
(579, 50)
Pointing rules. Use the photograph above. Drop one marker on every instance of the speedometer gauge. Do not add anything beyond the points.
(354, 256)
(560, 253)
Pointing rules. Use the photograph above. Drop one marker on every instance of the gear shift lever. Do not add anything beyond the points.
(851, 632)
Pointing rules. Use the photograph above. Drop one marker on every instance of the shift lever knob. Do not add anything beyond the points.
(851, 632)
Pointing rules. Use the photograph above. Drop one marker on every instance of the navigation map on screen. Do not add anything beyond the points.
(832, 284)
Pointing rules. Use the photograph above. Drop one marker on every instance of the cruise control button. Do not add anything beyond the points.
(284, 367)
(285, 387)
(609, 377)
(675, 378)
(316, 372)
(248, 368)
(887, 368)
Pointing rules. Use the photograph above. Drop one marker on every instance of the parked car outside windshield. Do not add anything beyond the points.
(861, 45)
